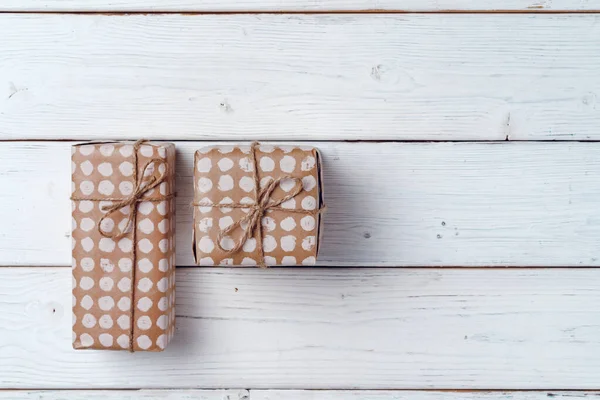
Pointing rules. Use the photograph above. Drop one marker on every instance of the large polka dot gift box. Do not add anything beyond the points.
(257, 205)
(123, 245)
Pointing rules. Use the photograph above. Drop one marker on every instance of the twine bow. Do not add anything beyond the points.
(141, 189)
(251, 223)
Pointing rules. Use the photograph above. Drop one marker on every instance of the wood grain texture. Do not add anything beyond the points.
(242, 394)
(323, 77)
(389, 204)
(324, 328)
(413, 395)
(297, 5)
(142, 394)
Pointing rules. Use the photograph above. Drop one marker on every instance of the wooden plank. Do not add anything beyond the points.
(413, 395)
(297, 5)
(389, 204)
(233, 394)
(219, 394)
(292, 77)
(324, 329)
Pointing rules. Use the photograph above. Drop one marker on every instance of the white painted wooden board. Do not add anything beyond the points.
(145, 394)
(298, 5)
(317, 77)
(297, 328)
(243, 394)
(411, 395)
(389, 204)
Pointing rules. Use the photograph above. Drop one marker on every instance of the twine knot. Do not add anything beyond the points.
(257, 211)
(142, 187)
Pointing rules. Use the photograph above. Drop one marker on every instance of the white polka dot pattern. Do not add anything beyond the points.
(225, 176)
(102, 267)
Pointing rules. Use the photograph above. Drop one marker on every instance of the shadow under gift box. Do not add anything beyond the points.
(291, 231)
(123, 258)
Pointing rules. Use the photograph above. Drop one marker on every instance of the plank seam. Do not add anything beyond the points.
(424, 390)
(531, 10)
(338, 268)
(169, 389)
(358, 141)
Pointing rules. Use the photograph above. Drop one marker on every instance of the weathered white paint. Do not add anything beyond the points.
(169, 394)
(300, 77)
(298, 5)
(242, 394)
(413, 395)
(389, 204)
(323, 77)
(324, 328)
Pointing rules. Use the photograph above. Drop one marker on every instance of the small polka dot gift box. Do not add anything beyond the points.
(123, 245)
(257, 205)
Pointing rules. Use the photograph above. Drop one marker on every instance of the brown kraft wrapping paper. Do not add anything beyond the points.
(123, 245)
(238, 224)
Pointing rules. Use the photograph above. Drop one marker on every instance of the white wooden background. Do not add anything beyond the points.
(462, 169)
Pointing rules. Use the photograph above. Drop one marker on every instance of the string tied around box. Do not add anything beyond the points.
(251, 223)
(141, 189)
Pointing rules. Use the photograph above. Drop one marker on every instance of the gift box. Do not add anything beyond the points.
(257, 205)
(123, 217)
